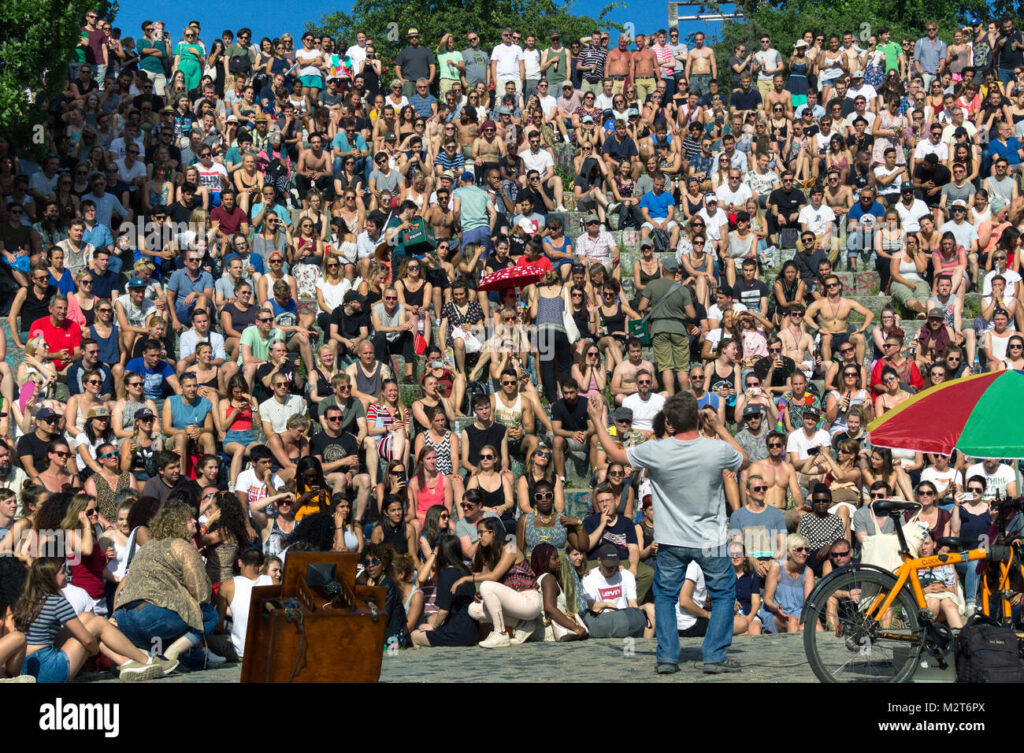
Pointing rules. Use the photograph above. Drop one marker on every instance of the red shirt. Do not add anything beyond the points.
(543, 262)
(229, 222)
(67, 335)
(908, 372)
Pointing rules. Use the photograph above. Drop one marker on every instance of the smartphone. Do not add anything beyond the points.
(814, 451)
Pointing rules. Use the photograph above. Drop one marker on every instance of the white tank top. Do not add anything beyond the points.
(240, 608)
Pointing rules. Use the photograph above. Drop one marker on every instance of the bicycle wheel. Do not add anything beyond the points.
(854, 647)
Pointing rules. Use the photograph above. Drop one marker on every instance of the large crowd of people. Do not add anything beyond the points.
(445, 311)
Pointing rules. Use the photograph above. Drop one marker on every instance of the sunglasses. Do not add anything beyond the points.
(759, 488)
(839, 555)
(60, 453)
(773, 445)
(488, 456)
(542, 496)
(108, 455)
(800, 549)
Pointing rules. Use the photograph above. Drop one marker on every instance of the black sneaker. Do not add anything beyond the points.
(667, 669)
(729, 665)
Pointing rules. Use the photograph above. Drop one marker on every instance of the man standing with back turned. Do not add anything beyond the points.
(690, 522)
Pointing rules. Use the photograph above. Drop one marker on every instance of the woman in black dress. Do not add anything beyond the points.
(451, 625)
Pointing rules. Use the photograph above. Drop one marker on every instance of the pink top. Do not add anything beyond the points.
(426, 498)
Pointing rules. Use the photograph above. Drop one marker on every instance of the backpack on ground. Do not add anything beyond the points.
(987, 652)
(662, 241)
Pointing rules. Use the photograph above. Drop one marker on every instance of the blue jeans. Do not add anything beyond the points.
(481, 235)
(1004, 75)
(669, 574)
(153, 626)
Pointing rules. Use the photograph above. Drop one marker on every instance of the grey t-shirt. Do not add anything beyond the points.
(477, 63)
(862, 522)
(415, 62)
(758, 530)
(689, 500)
(464, 528)
(952, 192)
(384, 182)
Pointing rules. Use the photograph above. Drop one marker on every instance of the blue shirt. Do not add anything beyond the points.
(76, 370)
(857, 211)
(183, 414)
(152, 380)
(341, 142)
(1009, 151)
(182, 284)
(710, 399)
(254, 259)
(422, 105)
(456, 162)
(99, 236)
(657, 205)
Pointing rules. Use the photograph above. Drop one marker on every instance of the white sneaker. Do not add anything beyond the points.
(560, 208)
(133, 671)
(20, 679)
(495, 640)
(525, 631)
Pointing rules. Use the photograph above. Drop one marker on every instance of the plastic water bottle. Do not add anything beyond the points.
(976, 366)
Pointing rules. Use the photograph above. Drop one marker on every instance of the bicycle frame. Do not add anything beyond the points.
(907, 572)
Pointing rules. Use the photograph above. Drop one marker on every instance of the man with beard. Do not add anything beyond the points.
(570, 427)
(780, 476)
(338, 453)
(32, 448)
(644, 403)
(753, 435)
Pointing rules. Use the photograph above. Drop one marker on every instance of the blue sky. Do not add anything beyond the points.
(265, 17)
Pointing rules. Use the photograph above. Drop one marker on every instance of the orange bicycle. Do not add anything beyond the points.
(879, 628)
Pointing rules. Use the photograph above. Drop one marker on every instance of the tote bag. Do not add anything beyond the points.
(883, 549)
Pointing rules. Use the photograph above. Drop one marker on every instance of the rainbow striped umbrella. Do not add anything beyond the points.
(978, 415)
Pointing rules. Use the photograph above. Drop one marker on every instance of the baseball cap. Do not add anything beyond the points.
(710, 197)
(812, 411)
(99, 411)
(136, 282)
(936, 313)
(622, 414)
(857, 74)
(353, 296)
(412, 31)
(670, 264)
(608, 553)
(567, 85)
(143, 413)
(959, 203)
(632, 111)
(753, 410)
(591, 218)
(646, 243)
(587, 119)
(906, 186)
(232, 118)
(44, 413)
(467, 175)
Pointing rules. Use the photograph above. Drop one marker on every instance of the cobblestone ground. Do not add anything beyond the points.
(764, 659)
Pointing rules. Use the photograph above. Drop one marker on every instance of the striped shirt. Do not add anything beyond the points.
(664, 55)
(44, 628)
(593, 56)
(456, 162)
(380, 416)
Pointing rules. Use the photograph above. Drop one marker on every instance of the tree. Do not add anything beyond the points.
(387, 21)
(37, 38)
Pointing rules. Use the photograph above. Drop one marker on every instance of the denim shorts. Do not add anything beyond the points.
(48, 664)
(243, 437)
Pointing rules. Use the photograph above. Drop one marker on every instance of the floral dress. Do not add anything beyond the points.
(888, 121)
(456, 318)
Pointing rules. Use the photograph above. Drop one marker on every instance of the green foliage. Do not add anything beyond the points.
(387, 21)
(37, 38)
(786, 20)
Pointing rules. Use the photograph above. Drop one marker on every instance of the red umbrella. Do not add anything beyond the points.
(511, 277)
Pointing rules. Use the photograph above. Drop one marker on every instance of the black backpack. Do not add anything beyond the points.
(662, 241)
(473, 388)
(987, 652)
(240, 64)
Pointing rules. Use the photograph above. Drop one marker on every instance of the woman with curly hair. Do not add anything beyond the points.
(227, 533)
(164, 599)
(377, 572)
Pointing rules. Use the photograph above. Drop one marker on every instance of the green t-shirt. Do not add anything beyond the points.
(151, 63)
(555, 76)
(892, 55)
(260, 347)
(473, 207)
(78, 54)
(670, 316)
(449, 72)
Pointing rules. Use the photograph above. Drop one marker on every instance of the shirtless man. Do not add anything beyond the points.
(315, 164)
(778, 95)
(838, 197)
(700, 65)
(781, 477)
(440, 217)
(488, 149)
(829, 315)
(466, 131)
(796, 342)
(624, 376)
(643, 67)
(617, 64)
